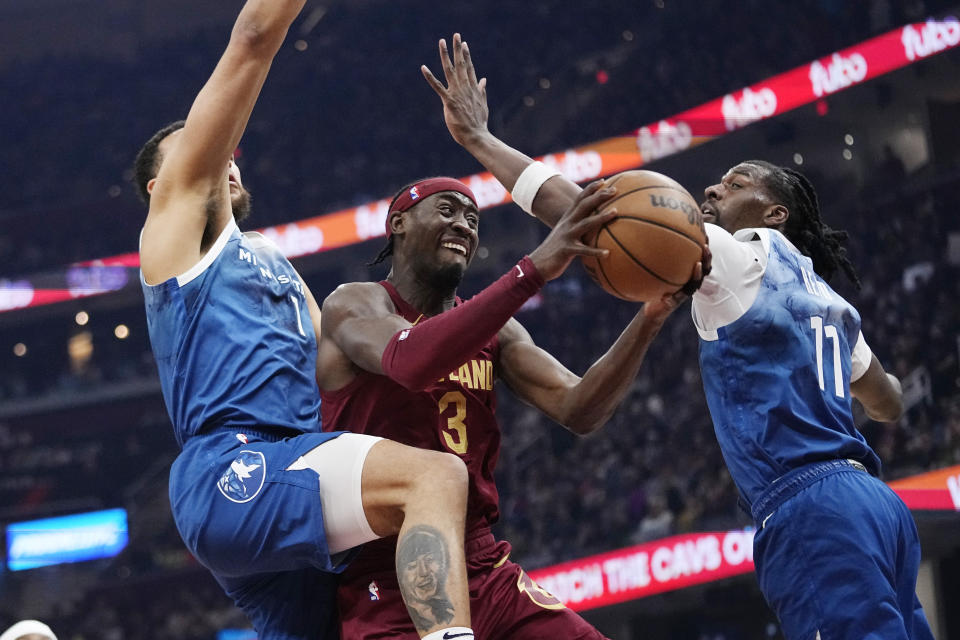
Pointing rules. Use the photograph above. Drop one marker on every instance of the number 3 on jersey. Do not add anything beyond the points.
(455, 433)
(830, 331)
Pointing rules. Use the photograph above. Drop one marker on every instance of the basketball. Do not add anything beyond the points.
(655, 241)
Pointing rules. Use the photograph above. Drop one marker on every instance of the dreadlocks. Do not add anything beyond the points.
(804, 227)
(385, 253)
(387, 250)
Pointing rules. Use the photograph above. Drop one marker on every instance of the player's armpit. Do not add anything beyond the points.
(169, 250)
(879, 392)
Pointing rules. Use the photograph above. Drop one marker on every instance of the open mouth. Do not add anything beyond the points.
(453, 246)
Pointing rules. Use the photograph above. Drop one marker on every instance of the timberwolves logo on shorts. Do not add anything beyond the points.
(244, 479)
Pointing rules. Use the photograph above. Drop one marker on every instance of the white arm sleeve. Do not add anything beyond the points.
(860, 359)
(734, 281)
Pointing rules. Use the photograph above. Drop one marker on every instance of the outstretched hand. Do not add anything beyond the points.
(464, 98)
(565, 241)
(658, 310)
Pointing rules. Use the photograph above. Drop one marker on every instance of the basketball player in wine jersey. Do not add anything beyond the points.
(407, 359)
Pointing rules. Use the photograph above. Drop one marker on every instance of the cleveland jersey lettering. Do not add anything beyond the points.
(455, 414)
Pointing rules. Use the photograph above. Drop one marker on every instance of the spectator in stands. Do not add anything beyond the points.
(28, 630)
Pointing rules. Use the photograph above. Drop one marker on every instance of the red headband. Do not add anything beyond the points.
(425, 188)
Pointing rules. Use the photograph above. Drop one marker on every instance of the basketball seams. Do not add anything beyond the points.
(600, 270)
(627, 253)
(606, 279)
(643, 220)
(681, 191)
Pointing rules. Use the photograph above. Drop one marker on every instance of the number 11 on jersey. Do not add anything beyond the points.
(830, 331)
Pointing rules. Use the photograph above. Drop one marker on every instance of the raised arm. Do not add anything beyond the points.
(465, 112)
(192, 188)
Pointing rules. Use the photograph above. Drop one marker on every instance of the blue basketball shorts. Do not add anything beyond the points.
(259, 528)
(839, 557)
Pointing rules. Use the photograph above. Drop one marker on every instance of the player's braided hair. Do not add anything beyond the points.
(385, 253)
(387, 250)
(145, 166)
(804, 227)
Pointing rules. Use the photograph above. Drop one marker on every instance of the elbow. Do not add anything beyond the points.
(249, 33)
(258, 37)
(582, 425)
(584, 429)
(891, 411)
(896, 409)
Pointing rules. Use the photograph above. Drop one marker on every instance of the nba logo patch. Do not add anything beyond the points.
(244, 478)
(374, 590)
(414, 193)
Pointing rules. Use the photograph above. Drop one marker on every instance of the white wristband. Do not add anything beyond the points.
(529, 183)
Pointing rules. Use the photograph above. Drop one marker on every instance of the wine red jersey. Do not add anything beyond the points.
(455, 414)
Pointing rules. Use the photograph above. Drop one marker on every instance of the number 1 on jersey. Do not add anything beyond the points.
(296, 307)
(819, 330)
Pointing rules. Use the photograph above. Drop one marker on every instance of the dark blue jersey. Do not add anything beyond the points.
(777, 379)
(233, 341)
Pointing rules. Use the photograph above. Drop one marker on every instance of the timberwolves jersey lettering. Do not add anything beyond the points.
(777, 379)
(233, 340)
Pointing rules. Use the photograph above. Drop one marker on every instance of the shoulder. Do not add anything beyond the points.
(259, 241)
(742, 242)
(739, 263)
(357, 298)
(736, 257)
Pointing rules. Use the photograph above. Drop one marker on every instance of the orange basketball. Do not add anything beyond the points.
(655, 241)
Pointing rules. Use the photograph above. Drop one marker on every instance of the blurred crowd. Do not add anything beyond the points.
(361, 120)
(654, 470)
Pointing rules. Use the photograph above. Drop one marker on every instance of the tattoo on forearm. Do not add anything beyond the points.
(423, 565)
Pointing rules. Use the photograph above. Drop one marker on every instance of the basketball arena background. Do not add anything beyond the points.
(636, 526)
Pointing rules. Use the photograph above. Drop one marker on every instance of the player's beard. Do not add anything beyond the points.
(447, 277)
(241, 205)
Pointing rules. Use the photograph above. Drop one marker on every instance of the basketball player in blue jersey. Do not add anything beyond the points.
(781, 354)
(264, 499)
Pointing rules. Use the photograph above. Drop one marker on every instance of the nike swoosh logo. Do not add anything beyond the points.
(448, 635)
(519, 275)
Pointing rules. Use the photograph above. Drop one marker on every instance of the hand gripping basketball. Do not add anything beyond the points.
(655, 241)
(565, 241)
